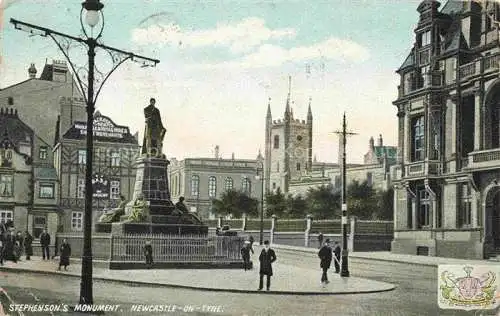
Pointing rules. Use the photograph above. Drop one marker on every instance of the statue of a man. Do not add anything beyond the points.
(140, 210)
(154, 131)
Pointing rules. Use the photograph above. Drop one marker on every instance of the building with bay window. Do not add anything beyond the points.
(114, 155)
(447, 176)
(28, 182)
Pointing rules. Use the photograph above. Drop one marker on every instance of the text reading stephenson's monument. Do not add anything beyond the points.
(151, 210)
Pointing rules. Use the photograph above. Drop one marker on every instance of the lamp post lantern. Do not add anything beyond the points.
(344, 269)
(260, 176)
(92, 13)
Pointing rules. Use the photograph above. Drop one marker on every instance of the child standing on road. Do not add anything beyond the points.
(148, 253)
(245, 254)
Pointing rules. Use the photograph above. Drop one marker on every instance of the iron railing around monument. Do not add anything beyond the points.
(175, 248)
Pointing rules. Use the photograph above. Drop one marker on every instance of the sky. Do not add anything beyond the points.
(220, 62)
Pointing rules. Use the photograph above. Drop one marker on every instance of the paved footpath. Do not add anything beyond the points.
(391, 257)
(287, 279)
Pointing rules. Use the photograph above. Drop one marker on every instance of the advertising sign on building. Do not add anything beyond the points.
(100, 186)
(103, 127)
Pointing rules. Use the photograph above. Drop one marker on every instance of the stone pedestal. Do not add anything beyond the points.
(151, 181)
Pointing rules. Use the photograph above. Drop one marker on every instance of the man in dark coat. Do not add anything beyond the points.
(45, 242)
(245, 255)
(148, 253)
(320, 239)
(28, 248)
(65, 251)
(9, 246)
(181, 206)
(266, 258)
(325, 254)
(337, 251)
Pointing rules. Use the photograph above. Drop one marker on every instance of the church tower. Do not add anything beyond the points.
(288, 150)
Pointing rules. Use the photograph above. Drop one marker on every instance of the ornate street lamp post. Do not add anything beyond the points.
(92, 13)
(344, 269)
(260, 176)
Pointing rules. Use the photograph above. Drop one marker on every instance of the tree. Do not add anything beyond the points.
(235, 203)
(323, 202)
(275, 203)
(296, 207)
(385, 209)
(361, 199)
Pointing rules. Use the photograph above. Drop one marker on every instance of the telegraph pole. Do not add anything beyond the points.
(344, 271)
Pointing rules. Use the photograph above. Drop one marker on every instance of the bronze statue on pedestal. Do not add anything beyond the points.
(154, 131)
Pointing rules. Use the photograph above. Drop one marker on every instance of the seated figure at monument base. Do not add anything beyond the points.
(114, 215)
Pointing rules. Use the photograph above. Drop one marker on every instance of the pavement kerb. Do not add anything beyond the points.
(353, 255)
(199, 288)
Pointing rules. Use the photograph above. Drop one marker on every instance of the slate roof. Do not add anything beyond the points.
(12, 126)
(453, 7)
(390, 151)
(409, 61)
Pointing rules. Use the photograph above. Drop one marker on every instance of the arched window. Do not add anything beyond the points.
(195, 185)
(228, 184)
(246, 185)
(212, 186)
(276, 141)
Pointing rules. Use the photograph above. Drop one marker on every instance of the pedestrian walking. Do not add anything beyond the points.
(1, 252)
(45, 243)
(20, 242)
(9, 246)
(65, 253)
(251, 243)
(325, 255)
(28, 248)
(266, 259)
(245, 254)
(337, 251)
(320, 239)
(148, 253)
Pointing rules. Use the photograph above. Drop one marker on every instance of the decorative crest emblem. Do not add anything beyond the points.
(468, 288)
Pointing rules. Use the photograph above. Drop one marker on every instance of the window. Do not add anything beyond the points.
(425, 75)
(115, 159)
(426, 38)
(76, 221)
(43, 153)
(82, 156)
(115, 190)
(39, 224)
(195, 185)
(6, 181)
(80, 191)
(418, 138)
(298, 166)
(228, 184)
(10, 101)
(246, 185)
(278, 166)
(274, 185)
(212, 186)
(436, 130)
(465, 217)
(369, 178)
(424, 208)
(276, 141)
(46, 191)
(6, 216)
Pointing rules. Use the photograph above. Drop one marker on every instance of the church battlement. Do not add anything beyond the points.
(8, 112)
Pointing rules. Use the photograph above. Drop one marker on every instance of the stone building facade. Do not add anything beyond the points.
(446, 190)
(200, 180)
(115, 152)
(28, 181)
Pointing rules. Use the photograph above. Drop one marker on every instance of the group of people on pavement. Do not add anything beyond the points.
(266, 258)
(13, 245)
(326, 255)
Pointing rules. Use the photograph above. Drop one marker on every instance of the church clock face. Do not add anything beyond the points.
(299, 138)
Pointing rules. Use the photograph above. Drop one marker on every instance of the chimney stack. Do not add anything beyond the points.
(32, 71)
(217, 152)
(380, 141)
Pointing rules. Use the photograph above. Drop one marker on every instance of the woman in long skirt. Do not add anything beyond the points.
(65, 253)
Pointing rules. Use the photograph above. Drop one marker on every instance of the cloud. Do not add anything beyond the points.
(272, 56)
(240, 37)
